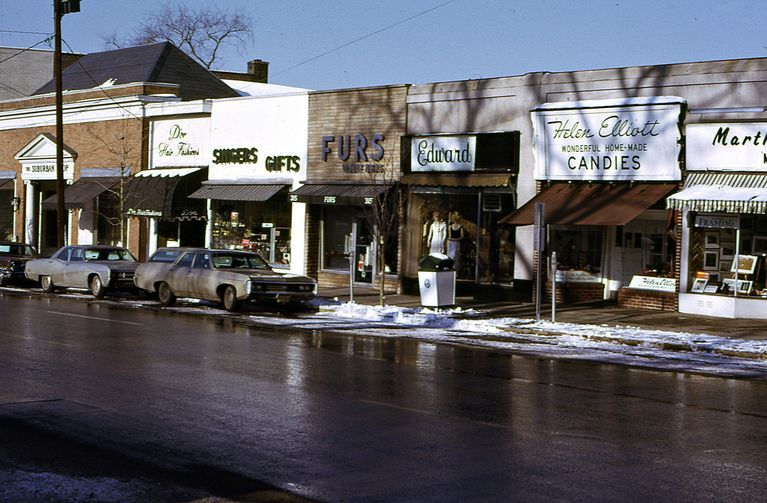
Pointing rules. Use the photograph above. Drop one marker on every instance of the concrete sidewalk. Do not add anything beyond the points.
(597, 313)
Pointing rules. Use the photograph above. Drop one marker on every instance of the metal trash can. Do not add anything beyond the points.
(436, 280)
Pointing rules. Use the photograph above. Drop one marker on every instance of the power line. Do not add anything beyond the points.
(22, 51)
(347, 44)
(26, 32)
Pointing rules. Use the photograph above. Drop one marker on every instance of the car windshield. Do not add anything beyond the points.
(108, 254)
(224, 260)
(16, 249)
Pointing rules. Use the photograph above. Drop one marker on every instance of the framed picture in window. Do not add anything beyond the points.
(711, 239)
(711, 260)
(744, 287)
(746, 264)
(699, 285)
(759, 245)
(725, 265)
(711, 288)
(727, 250)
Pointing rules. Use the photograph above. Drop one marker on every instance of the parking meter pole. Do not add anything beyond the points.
(538, 245)
(352, 253)
(553, 286)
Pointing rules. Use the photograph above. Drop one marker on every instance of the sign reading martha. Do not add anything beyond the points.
(653, 283)
(609, 140)
(443, 153)
(727, 147)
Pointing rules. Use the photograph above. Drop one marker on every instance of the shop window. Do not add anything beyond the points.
(262, 227)
(6, 215)
(580, 249)
(336, 237)
(718, 264)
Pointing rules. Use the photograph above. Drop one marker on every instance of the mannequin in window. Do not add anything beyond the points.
(437, 234)
(455, 235)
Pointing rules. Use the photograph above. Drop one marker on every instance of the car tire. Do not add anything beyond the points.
(46, 283)
(165, 294)
(229, 298)
(96, 286)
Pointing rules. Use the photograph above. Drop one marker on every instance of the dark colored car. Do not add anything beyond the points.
(13, 258)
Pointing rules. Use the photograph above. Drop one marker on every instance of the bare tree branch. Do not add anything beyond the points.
(199, 32)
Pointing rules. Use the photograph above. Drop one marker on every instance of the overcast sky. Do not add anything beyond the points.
(420, 41)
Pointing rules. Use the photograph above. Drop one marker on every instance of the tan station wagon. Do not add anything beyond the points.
(228, 276)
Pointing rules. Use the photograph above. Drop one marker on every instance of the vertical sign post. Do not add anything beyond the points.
(553, 286)
(539, 239)
(352, 260)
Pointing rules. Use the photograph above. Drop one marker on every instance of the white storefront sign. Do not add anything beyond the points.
(608, 140)
(653, 283)
(578, 276)
(273, 147)
(180, 142)
(45, 170)
(443, 153)
(727, 147)
(710, 221)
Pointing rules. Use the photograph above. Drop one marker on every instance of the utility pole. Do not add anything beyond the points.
(60, 7)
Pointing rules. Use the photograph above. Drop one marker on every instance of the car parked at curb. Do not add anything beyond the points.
(227, 276)
(98, 268)
(13, 258)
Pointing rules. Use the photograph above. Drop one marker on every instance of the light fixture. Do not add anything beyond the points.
(15, 203)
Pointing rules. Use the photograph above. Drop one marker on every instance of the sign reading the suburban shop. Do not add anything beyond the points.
(180, 142)
(45, 170)
(355, 152)
(636, 139)
(711, 221)
(443, 153)
(727, 147)
(653, 283)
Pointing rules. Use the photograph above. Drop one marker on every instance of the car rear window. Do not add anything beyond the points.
(167, 256)
(239, 260)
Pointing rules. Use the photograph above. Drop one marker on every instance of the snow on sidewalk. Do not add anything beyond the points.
(618, 344)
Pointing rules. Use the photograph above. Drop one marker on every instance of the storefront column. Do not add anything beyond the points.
(298, 239)
(151, 241)
(30, 196)
(209, 223)
(685, 253)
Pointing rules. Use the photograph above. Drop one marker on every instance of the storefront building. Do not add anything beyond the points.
(353, 157)
(724, 220)
(256, 155)
(461, 172)
(179, 135)
(604, 168)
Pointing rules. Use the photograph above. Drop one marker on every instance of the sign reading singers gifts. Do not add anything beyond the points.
(608, 140)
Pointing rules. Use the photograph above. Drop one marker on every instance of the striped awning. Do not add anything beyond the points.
(340, 194)
(722, 192)
(237, 192)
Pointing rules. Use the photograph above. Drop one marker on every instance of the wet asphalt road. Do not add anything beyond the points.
(183, 407)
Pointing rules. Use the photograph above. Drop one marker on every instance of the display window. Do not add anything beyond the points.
(6, 215)
(729, 261)
(262, 227)
(464, 226)
(578, 249)
(345, 229)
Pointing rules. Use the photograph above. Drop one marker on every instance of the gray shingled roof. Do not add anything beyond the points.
(154, 63)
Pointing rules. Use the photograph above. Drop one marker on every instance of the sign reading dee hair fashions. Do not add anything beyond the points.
(608, 140)
(180, 142)
(727, 147)
(443, 153)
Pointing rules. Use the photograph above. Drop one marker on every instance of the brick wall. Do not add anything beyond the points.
(647, 299)
(570, 293)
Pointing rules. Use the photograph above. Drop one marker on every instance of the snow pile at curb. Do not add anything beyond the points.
(473, 325)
